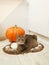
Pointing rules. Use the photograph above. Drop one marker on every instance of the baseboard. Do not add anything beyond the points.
(45, 37)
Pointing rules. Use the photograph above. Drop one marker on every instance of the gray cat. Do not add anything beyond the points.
(26, 43)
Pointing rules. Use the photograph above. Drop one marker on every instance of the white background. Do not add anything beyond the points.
(39, 16)
(14, 12)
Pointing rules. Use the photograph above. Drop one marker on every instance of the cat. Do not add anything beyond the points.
(25, 44)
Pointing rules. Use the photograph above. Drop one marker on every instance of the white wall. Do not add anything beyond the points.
(6, 7)
(13, 14)
(39, 16)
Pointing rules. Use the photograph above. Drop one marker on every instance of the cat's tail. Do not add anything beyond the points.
(39, 48)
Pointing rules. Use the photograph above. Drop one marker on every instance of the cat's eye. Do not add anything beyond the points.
(22, 39)
(18, 39)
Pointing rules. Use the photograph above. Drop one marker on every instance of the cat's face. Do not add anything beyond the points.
(20, 39)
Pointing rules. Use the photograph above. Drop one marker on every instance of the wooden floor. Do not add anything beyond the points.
(40, 58)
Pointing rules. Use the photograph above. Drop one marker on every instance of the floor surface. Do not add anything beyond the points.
(39, 58)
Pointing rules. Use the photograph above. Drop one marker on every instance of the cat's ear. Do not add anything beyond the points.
(18, 36)
(35, 37)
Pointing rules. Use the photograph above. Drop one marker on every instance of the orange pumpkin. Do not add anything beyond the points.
(13, 32)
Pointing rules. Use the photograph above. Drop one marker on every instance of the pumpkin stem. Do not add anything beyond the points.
(15, 25)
